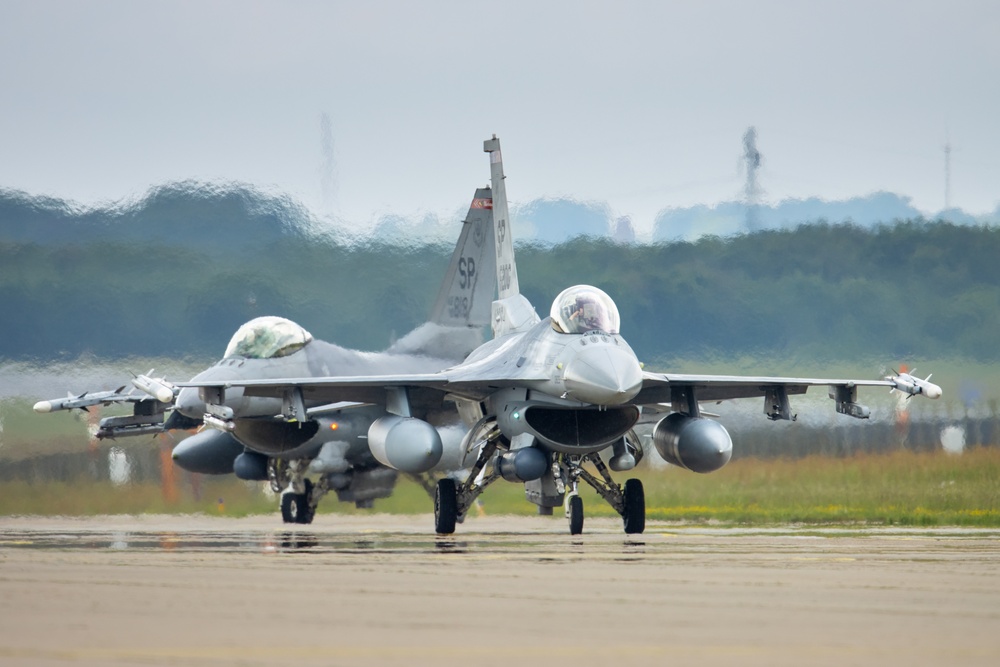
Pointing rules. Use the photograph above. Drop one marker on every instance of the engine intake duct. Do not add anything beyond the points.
(695, 443)
(583, 428)
(274, 437)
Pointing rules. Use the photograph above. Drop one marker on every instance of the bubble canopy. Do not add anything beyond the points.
(266, 338)
(583, 308)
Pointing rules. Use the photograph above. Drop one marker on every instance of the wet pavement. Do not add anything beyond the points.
(379, 589)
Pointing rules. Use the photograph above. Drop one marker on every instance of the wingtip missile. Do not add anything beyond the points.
(84, 400)
(913, 386)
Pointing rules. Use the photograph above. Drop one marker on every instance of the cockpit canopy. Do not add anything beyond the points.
(266, 338)
(583, 308)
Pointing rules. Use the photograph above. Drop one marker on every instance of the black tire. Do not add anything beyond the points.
(304, 514)
(445, 506)
(635, 507)
(295, 506)
(289, 504)
(575, 515)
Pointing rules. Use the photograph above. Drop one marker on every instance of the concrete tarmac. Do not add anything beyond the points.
(383, 590)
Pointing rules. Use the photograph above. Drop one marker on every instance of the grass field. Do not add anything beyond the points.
(901, 488)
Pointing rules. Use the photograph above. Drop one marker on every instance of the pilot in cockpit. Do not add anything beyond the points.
(581, 309)
(588, 314)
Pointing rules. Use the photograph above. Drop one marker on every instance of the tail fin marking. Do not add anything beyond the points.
(468, 288)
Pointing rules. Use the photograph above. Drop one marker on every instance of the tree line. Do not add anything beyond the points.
(913, 288)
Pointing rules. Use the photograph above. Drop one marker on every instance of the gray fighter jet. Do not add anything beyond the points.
(289, 441)
(545, 397)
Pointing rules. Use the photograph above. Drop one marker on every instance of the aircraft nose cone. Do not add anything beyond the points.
(932, 391)
(603, 375)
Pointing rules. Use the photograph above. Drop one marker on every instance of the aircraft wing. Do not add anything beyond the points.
(657, 387)
(347, 389)
(421, 388)
(685, 392)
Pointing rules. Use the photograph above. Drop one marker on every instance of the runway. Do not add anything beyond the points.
(383, 590)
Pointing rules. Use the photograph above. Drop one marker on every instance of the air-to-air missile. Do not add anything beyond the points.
(85, 400)
(148, 414)
(912, 385)
(158, 388)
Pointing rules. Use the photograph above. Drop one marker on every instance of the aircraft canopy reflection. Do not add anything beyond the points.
(267, 337)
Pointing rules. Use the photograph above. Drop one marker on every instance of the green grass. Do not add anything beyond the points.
(902, 488)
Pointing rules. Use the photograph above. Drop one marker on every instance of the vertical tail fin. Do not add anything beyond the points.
(468, 287)
(511, 311)
(462, 307)
(506, 268)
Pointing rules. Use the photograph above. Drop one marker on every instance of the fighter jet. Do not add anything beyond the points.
(546, 397)
(288, 441)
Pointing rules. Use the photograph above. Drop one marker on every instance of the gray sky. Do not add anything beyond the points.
(639, 104)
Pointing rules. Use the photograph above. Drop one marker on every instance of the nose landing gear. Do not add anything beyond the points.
(629, 502)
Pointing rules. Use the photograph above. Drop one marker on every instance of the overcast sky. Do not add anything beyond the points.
(638, 104)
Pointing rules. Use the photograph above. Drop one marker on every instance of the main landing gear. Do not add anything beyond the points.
(452, 499)
(629, 501)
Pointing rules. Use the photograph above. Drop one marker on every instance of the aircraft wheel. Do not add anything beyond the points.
(289, 506)
(295, 506)
(575, 515)
(305, 512)
(445, 506)
(635, 507)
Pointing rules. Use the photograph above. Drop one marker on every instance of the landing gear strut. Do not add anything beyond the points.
(277, 474)
(453, 500)
(629, 502)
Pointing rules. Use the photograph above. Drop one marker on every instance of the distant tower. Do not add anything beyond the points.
(751, 163)
(623, 232)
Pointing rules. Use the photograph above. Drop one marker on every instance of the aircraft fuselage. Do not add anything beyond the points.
(567, 390)
(253, 417)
